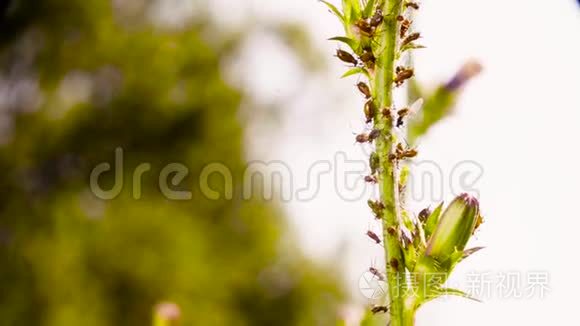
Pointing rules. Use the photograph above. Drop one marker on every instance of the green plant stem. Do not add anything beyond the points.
(389, 178)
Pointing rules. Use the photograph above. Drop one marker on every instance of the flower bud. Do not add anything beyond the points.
(454, 228)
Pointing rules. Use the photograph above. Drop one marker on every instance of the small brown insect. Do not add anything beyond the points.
(402, 153)
(405, 25)
(368, 58)
(379, 309)
(402, 75)
(365, 27)
(394, 263)
(346, 57)
(369, 110)
(412, 37)
(387, 114)
(364, 89)
(377, 18)
(374, 237)
(368, 138)
(400, 18)
(413, 5)
(371, 179)
(402, 113)
(391, 230)
(424, 214)
(376, 273)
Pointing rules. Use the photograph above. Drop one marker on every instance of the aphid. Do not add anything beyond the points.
(402, 75)
(365, 27)
(364, 89)
(377, 274)
(368, 138)
(379, 309)
(374, 162)
(401, 116)
(405, 112)
(394, 263)
(402, 153)
(346, 57)
(412, 37)
(371, 179)
(377, 18)
(386, 112)
(424, 214)
(377, 207)
(405, 25)
(374, 237)
(413, 5)
(391, 230)
(368, 58)
(369, 110)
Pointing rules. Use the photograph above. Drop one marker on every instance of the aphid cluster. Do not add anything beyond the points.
(368, 26)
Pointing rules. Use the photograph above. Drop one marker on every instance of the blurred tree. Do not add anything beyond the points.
(81, 78)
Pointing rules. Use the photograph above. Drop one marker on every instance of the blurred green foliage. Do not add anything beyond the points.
(84, 79)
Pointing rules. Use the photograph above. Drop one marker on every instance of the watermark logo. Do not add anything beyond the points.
(275, 180)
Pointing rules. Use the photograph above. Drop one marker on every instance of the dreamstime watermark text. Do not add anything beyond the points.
(276, 180)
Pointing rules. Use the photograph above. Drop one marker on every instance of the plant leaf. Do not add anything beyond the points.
(346, 40)
(334, 10)
(411, 46)
(354, 71)
(356, 9)
(368, 10)
(471, 251)
(432, 221)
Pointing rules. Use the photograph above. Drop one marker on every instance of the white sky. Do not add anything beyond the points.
(518, 120)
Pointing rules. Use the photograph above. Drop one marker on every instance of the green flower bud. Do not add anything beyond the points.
(454, 228)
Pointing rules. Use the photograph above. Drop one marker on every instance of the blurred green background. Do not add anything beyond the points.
(81, 78)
